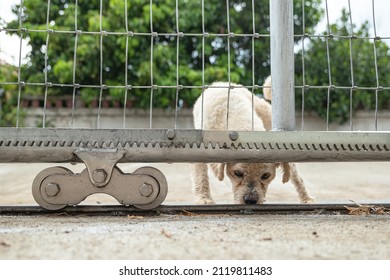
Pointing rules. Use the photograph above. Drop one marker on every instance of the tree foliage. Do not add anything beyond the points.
(8, 101)
(60, 49)
(187, 62)
(364, 71)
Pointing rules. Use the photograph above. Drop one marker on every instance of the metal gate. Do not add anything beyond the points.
(101, 149)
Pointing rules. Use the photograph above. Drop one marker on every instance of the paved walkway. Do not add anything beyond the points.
(310, 236)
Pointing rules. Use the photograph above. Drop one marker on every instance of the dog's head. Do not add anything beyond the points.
(250, 180)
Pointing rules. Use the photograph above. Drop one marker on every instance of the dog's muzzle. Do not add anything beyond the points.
(251, 198)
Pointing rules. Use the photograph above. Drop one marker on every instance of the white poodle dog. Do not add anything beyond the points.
(249, 180)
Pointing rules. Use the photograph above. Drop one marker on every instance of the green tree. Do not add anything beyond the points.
(364, 73)
(60, 50)
(8, 100)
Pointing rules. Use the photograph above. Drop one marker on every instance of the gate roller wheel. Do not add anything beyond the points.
(163, 186)
(37, 186)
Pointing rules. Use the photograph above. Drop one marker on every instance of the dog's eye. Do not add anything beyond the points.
(238, 173)
(265, 176)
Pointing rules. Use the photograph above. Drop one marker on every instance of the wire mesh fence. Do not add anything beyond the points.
(98, 61)
(159, 41)
(165, 54)
(111, 56)
(353, 38)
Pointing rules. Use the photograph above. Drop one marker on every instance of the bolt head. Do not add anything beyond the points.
(52, 189)
(99, 175)
(146, 190)
(170, 134)
(233, 135)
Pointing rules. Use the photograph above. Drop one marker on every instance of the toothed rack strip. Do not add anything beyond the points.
(168, 145)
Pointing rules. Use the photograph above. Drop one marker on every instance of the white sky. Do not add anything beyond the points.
(10, 45)
(361, 11)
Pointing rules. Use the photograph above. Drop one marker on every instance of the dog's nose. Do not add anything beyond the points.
(251, 198)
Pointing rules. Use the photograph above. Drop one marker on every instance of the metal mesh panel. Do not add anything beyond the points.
(101, 87)
(349, 87)
(50, 33)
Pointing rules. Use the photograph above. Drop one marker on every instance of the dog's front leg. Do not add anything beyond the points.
(200, 184)
(299, 185)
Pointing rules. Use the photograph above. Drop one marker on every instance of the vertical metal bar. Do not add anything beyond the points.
(253, 64)
(46, 62)
(329, 68)
(282, 64)
(303, 66)
(74, 61)
(126, 67)
(101, 63)
(20, 83)
(203, 47)
(151, 65)
(177, 60)
(228, 53)
(376, 67)
(351, 63)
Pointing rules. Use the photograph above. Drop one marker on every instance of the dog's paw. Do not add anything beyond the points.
(205, 201)
(307, 200)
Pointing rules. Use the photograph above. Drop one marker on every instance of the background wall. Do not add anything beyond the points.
(137, 118)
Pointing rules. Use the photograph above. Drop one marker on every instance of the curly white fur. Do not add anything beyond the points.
(211, 110)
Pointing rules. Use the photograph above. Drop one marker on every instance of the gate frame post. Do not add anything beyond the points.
(282, 65)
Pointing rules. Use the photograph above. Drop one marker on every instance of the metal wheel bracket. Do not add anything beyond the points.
(99, 163)
(55, 188)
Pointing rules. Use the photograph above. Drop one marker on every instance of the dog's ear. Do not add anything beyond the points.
(267, 92)
(286, 171)
(219, 170)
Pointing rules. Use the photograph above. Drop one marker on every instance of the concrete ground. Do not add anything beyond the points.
(222, 236)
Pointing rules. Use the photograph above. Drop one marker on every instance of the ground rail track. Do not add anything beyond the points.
(194, 210)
